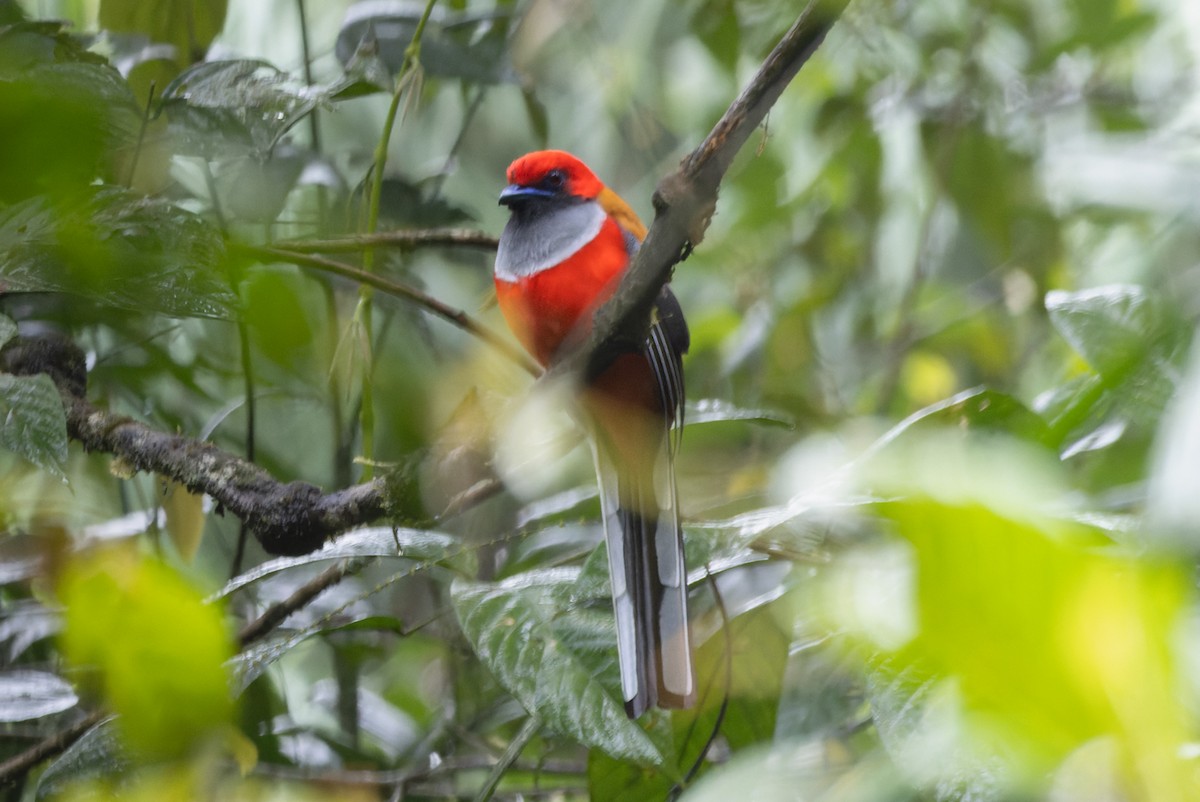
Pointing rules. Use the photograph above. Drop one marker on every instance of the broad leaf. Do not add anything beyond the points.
(26, 623)
(1132, 341)
(97, 755)
(738, 676)
(116, 249)
(33, 422)
(123, 610)
(716, 410)
(921, 727)
(26, 695)
(245, 104)
(527, 634)
(381, 541)
(995, 577)
(252, 662)
(798, 771)
(1114, 327)
(62, 112)
(469, 45)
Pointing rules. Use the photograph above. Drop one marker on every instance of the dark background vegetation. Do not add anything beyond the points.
(939, 472)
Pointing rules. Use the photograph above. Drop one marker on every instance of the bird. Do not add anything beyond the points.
(568, 240)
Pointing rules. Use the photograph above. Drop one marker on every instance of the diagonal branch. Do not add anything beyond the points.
(685, 200)
(287, 518)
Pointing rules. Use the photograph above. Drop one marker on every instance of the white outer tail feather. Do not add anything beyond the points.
(664, 665)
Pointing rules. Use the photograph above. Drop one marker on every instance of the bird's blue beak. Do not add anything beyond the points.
(516, 193)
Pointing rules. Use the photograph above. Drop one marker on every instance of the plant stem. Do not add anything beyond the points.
(363, 313)
(518, 744)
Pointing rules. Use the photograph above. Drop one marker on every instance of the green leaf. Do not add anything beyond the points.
(1048, 641)
(798, 771)
(921, 729)
(246, 104)
(26, 695)
(748, 691)
(1133, 342)
(118, 249)
(33, 422)
(546, 653)
(96, 755)
(250, 663)
(365, 73)
(63, 112)
(1173, 505)
(468, 45)
(984, 178)
(716, 410)
(1113, 327)
(188, 25)
(8, 329)
(419, 545)
(539, 120)
(157, 649)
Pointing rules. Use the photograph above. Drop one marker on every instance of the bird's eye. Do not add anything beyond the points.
(555, 179)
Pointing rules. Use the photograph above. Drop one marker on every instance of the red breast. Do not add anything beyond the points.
(563, 250)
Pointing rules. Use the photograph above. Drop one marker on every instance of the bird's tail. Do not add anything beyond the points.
(649, 583)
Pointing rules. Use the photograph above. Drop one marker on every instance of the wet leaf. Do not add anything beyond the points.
(419, 545)
(96, 755)
(116, 249)
(244, 105)
(26, 695)
(33, 422)
(522, 631)
(1113, 327)
(468, 45)
(716, 410)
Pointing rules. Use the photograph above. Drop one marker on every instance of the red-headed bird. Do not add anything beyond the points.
(561, 256)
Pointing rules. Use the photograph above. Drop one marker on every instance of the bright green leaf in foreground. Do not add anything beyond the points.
(1051, 636)
(157, 648)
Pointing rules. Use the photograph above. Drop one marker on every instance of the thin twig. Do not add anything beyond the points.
(409, 238)
(277, 613)
(455, 316)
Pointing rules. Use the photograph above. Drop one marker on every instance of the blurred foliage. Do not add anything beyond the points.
(938, 474)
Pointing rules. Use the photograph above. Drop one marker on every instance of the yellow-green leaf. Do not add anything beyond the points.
(157, 649)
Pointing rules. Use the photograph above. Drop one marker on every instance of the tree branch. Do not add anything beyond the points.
(288, 518)
(685, 200)
(410, 238)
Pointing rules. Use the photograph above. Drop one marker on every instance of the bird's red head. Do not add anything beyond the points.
(556, 171)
